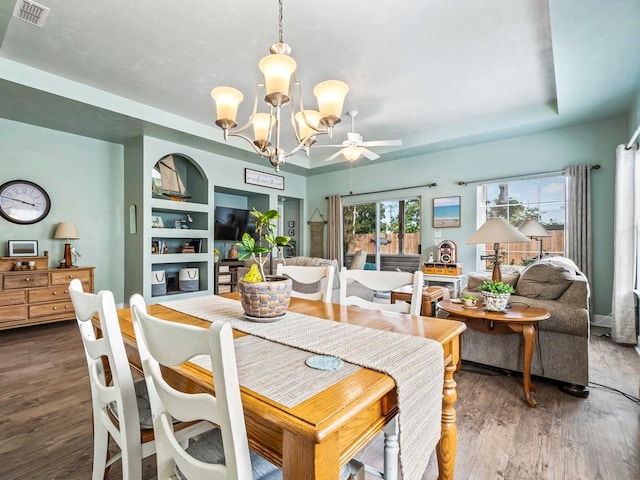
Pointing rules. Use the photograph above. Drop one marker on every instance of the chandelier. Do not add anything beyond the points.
(278, 69)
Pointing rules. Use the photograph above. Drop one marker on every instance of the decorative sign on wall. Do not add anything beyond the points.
(269, 180)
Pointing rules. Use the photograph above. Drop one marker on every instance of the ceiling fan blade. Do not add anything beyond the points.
(369, 154)
(333, 146)
(334, 156)
(382, 143)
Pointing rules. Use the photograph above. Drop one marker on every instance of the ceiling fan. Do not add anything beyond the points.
(354, 146)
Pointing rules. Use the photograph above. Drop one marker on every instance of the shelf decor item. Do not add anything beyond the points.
(496, 295)
(263, 296)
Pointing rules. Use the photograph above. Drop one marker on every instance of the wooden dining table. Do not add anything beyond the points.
(313, 439)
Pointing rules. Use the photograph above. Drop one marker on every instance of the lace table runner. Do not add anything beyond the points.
(278, 371)
(415, 363)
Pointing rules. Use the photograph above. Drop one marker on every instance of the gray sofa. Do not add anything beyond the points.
(562, 343)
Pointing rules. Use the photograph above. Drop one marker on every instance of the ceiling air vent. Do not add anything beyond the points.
(31, 12)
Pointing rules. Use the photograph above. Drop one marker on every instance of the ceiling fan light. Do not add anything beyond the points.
(330, 95)
(352, 153)
(227, 100)
(277, 70)
(308, 122)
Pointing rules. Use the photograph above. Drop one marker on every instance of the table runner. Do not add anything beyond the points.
(278, 372)
(415, 363)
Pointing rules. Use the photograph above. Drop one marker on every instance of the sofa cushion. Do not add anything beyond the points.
(545, 281)
(474, 280)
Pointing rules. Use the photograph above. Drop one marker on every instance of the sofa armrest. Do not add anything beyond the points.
(577, 294)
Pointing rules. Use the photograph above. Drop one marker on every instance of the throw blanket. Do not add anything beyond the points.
(415, 363)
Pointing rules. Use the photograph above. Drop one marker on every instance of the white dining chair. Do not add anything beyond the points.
(383, 281)
(120, 406)
(222, 453)
(306, 278)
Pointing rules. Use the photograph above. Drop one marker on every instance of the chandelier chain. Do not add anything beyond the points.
(280, 21)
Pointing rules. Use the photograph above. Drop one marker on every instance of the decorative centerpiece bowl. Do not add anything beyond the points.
(263, 297)
(496, 295)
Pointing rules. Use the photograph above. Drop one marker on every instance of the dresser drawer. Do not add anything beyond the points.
(59, 292)
(64, 277)
(25, 280)
(12, 313)
(48, 309)
(12, 298)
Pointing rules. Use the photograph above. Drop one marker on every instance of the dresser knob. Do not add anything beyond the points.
(71, 276)
(27, 279)
(66, 307)
(55, 308)
(54, 293)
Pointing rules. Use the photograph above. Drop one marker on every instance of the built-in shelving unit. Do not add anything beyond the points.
(161, 226)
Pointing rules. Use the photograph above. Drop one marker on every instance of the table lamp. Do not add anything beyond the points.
(67, 231)
(496, 231)
(535, 231)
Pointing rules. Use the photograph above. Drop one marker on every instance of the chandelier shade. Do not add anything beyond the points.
(227, 100)
(277, 70)
(331, 95)
(308, 124)
(281, 87)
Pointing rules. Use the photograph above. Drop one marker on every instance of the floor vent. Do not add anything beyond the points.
(31, 12)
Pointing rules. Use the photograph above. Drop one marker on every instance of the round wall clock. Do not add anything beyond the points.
(23, 202)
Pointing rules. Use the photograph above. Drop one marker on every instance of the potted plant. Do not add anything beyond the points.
(216, 255)
(496, 295)
(262, 296)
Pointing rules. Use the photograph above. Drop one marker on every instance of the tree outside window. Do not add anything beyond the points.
(540, 199)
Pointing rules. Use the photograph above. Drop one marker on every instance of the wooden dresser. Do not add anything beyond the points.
(41, 295)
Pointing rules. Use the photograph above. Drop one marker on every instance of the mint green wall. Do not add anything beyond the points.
(634, 116)
(84, 178)
(543, 152)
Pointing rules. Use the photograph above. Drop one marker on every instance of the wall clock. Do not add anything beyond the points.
(23, 202)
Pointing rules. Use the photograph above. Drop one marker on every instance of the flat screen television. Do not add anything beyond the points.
(232, 223)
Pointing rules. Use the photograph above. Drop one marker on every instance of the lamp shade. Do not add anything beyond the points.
(307, 119)
(330, 95)
(262, 123)
(227, 100)
(533, 229)
(497, 230)
(66, 230)
(277, 70)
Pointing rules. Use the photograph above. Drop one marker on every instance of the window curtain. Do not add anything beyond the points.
(578, 237)
(625, 246)
(335, 250)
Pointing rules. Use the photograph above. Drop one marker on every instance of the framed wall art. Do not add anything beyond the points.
(23, 248)
(446, 212)
(269, 180)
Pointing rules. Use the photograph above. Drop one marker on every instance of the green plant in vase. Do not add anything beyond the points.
(266, 227)
(496, 288)
(255, 287)
(496, 295)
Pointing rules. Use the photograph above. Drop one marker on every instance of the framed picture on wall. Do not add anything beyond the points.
(446, 212)
(292, 224)
(23, 248)
(292, 232)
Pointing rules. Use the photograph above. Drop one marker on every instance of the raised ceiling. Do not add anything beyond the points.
(437, 74)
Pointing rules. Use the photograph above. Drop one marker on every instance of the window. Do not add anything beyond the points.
(542, 199)
(396, 224)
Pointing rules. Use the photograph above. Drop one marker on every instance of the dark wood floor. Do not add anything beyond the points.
(45, 417)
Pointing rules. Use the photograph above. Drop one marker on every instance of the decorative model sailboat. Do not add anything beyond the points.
(169, 184)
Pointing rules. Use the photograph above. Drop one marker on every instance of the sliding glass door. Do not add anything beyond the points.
(389, 227)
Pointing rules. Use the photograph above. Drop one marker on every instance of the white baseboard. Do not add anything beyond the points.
(602, 321)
